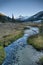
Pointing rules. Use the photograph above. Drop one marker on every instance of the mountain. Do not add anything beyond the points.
(4, 18)
(37, 17)
(22, 18)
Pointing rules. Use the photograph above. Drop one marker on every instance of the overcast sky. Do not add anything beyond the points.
(21, 7)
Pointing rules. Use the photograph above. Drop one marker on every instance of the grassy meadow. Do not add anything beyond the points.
(2, 55)
(8, 39)
(37, 40)
(9, 32)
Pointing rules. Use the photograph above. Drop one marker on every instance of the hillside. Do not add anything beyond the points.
(36, 17)
(4, 18)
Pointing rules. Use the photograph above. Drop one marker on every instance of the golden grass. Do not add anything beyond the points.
(2, 55)
(8, 39)
(36, 41)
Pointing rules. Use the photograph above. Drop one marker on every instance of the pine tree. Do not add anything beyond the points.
(12, 18)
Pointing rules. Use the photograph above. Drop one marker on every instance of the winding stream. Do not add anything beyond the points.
(20, 53)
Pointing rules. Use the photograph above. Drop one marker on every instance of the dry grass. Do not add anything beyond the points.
(9, 32)
(2, 55)
(36, 41)
(8, 39)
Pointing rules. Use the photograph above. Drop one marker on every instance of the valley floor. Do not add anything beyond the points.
(10, 32)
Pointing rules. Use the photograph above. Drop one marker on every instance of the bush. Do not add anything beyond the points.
(2, 54)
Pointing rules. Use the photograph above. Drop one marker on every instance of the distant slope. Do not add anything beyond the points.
(36, 17)
(22, 18)
(4, 18)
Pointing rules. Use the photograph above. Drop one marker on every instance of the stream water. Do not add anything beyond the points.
(20, 53)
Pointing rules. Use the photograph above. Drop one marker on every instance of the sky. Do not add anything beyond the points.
(20, 7)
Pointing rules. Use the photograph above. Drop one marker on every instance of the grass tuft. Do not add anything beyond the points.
(8, 39)
(36, 41)
(2, 54)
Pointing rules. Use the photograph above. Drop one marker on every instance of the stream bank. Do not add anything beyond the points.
(20, 53)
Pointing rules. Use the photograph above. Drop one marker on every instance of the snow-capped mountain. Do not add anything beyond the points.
(22, 18)
(35, 18)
